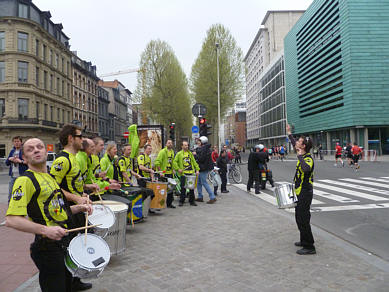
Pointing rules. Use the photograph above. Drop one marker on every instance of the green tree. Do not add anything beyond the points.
(163, 87)
(204, 74)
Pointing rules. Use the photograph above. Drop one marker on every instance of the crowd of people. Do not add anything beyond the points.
(58, 199)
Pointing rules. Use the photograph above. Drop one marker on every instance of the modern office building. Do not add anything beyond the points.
(263, 123)
(337, 77)
(35, 74)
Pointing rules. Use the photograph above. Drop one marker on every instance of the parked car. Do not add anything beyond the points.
(50, 158)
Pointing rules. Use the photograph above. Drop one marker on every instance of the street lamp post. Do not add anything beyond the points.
(218, 96)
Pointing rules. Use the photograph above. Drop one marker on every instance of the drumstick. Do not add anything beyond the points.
(86, 222)
(106, 203)
(82, 228)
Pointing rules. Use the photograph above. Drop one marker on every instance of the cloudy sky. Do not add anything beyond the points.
(113, 34)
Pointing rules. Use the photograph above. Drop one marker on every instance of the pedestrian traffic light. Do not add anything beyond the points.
(204, 127)
(172, 134)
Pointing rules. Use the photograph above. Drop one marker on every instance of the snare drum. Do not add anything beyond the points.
(286, 196)
(116, 236)
(104, 216)
(190, 181)
(87, 260)
(171, 184)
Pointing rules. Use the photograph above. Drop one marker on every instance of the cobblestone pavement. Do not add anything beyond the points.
(238, 244)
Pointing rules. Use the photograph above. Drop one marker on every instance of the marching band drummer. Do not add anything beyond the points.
(144, 165)
(37, 195)
(185, 163)
(125, 165)
(303, 183)
(66, 171)
(164, 163)
(109, 163)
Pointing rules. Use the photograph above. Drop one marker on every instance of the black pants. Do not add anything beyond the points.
(183, 191)
(169, 198)
(254, 177)
(223, 176)
(303, 218)
(48, 256)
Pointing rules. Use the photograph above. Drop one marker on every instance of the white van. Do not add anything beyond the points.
(50, 158)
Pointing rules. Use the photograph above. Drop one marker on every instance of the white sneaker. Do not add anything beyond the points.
(2, 223)
(335, 165)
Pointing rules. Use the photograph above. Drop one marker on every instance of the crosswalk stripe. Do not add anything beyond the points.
(365, 182)
(333, 197)
(376, 179)
(350, 192)
(349, 207)
(384, 176)
(365, 188)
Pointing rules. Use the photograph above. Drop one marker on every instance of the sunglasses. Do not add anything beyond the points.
(79, 136)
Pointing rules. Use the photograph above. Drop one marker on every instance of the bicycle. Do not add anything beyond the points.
(234, 173)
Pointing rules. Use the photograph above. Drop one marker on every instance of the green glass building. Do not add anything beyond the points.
(337, 73)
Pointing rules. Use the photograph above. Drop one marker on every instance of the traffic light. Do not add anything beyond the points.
(172, 134)
(204, 127)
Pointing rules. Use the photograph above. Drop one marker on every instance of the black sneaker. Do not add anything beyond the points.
(171, 206)
(305, 251)
(77, 285)
(225, 191)
(298, 243)
(193, 204)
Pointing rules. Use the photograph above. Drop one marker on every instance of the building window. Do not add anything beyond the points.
(58, 83)
(2, 41)
(2, 107)
(63, 88)
(56, 61)
(51, 82)
(45, 80)
(22, 71)
(51, 57)
(58, 114)
(37, 109)
(2, 71)
(22, 41)
(37, 76)
(63, 116)
(37, 48)
(23, 108)
(51, 113)
(63, 65)
(45, 112)
(44, 49)
(23, 11)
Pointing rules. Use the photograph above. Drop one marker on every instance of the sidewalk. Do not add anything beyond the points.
(16, 266)
(238, 244)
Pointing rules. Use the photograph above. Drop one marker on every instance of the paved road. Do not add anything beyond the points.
(351, 205)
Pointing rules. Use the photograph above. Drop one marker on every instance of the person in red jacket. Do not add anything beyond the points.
(338, 154)
(356, 152)
(215, 154)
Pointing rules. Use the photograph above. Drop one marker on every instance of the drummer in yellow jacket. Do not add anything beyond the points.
(126, 165)
(185, 164)
(164, 163)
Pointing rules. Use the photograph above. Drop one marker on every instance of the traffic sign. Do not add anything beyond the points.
(199, 110)
(195, 129)
(195, 135)
(125, 134)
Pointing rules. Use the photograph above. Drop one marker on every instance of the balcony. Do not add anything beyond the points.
(49, 123)
(23, 121)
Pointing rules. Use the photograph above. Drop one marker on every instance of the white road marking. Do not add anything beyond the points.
(365, 188)
(366, 182)
(350, 207)
(349, 192)
(333, 197)
(385, 177)
(377, 179)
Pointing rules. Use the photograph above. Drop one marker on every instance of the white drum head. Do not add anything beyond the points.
(116, 206)
(102, 215)
(172, 181)
(95, 254)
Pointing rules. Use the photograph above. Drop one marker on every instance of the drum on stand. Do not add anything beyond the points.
(87, 259)
(190, 182)
(285, 195)
(102, 216)
(116, 236)
(160, 194)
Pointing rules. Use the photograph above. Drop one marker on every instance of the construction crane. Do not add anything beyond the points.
(120, 72)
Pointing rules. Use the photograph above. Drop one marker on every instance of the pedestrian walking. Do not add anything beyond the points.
(16, 163)
(204, 160)
(222, 165)
(303, 184)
